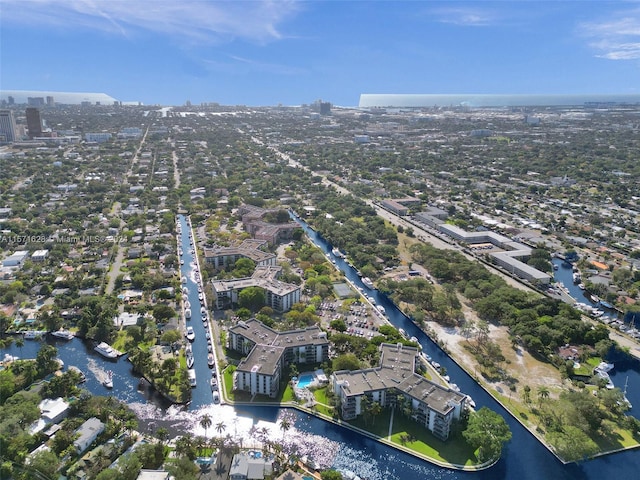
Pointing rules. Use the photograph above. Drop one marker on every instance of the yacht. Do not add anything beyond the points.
(183, 280)
(187, 313)
(605, 367)
(106, 350)
(581, 286)
(190, 334)
(190, 360)
(192, 377)
(214, 383)
(381, 309)
(367, 282)
(63, 334)
(185, 291)
(187, 304)
(210, 360)
(402, 332)
(337, 253)
(108, 381)
(216, 398)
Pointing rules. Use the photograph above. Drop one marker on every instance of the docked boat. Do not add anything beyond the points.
(200, 296)
(470, 402)
(185, 291)
(33, 334)
(106, 350)
(337, 253)
(214, 383)
(63, 334)
(576, 277)
(187, 313)
(183, 280)
(367, 282)
(216, 398)
(402, 332)
(190, 361)
(381, 309)
(187, 304)
(210, 360)
(190, 334)
(83, 377)
(108, 381)
(192, 377)
(605, 367)
(581, 286)
(188, 349)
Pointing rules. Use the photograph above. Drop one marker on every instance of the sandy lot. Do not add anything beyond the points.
(523, 367)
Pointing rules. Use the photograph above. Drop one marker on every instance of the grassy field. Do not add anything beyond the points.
(408, 434)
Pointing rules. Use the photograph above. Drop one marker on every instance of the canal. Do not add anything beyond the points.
(524, 458)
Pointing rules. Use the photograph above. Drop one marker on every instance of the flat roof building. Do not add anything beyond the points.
(268, 352)
(280, 296)
(431, 405)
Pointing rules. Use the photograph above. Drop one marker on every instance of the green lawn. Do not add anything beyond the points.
(455, 450)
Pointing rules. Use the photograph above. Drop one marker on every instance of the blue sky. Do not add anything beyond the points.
(291, 52)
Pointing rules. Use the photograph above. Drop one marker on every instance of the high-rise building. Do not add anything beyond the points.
(7, 126)
(34, 122)
(50, 101)
(11, 100)
(35, 101)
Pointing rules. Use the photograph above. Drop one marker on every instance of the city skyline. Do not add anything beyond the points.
(289, 52)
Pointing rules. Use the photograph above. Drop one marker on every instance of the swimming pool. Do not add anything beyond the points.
(305, 380)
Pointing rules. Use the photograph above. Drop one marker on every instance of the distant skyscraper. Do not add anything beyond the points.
(7, 126)
(325, 108)
(34, 122)
(35, 101)
(11, 100)
(50, 101)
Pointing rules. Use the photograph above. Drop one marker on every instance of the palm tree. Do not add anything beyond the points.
(20, 344)
(543, 393)
(285, 425)
(220, 427)
(205, 422)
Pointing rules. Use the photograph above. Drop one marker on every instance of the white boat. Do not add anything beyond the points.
(33, 334)
(214, 383)
(187, 304)
(337, 253)
(581, 286)
(192, 377)
(605, 367)
(190, 334)
(211, 361)
(108, 381)
(216, 398)
(190, 361)
(470, 402)
(83, 377)
(402, 332)
(187, 313)
(63, 334)
(381, 309)
(366, 281)
(188, 349)
(106, 350)
(183, 280)
(185, 291)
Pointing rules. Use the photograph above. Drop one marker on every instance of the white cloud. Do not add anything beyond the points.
(466, 16)
(209, 21)
(615, 38)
